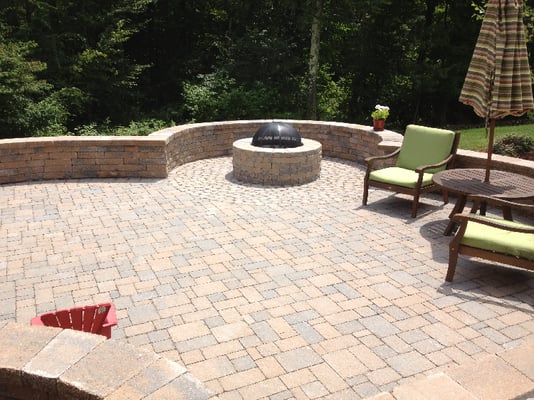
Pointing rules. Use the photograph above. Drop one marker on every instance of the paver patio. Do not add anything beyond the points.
(264, 292)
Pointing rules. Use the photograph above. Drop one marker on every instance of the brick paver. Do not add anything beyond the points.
(267, 292)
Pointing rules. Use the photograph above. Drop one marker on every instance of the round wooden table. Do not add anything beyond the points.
(465, 182)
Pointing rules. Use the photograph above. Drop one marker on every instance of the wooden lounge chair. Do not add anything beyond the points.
(494, 239)
(97, 319)
(423, 152)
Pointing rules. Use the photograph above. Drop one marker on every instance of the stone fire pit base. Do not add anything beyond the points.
(276, 166)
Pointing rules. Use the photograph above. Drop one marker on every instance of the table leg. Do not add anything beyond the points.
(458, 208)
(507, 213)
(479, 205)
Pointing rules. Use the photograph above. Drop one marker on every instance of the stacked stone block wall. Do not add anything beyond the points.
(266, 166)
(81, 157)
(153, 156)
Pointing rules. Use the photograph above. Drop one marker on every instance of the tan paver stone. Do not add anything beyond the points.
(409, 364)
(182, 388)
(279, 310)
(139, 329)
(522, 358)
(291, 343)
(270, 367)
(412, 323)
(382, 396)
(383, 376)
(344, 316)
(294, 360)
(324, 280)
(491, 378)
(298, 378)
(230, 315)
(443, 334)
(488, 345)
(232, 331)
(281, 327)
(266, 350)
(329, 377)
(157, 375)
(367, 357)
(242, 379)
(263, 389)
(188, 331)
(314, 390)
(230, 303)
(513, 318)
(324, 306)
(434, 387)
(212, 368)
(326, 330)
(87, 374)
(251, 294)
(345, 363)
(312, 291)
(220, 349)
(73, 344)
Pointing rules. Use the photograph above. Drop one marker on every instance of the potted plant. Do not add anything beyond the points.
(379, 116)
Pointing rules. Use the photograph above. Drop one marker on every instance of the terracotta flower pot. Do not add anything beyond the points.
(378, 124)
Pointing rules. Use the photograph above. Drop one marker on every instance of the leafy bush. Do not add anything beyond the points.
(513, 145)
(217, 97)
(135, 128)
(333, 95)
(141, 128)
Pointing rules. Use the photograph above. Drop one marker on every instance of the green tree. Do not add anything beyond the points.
(84, 46)
(27, 105)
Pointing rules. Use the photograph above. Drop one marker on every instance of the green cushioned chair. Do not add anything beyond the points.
(493, 239)
(423, 152)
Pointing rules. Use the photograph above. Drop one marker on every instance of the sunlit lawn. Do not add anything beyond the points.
(475, 139)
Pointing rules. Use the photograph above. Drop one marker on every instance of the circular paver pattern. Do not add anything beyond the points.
(280, 292)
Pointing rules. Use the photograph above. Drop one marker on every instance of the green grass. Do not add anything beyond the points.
(475, 139)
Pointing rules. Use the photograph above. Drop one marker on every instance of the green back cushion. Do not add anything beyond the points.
(423, 146)
(500, 240)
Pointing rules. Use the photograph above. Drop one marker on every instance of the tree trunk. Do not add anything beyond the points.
(313, 71)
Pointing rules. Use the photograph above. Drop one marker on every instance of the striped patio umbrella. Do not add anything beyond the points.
(498, 82)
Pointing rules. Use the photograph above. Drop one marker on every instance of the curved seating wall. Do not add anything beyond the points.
(39, 362)
(153, 156)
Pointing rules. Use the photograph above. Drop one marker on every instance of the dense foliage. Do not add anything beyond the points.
(513, 145)
(82, 67)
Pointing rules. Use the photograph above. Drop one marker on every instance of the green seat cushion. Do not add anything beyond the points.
(399, 176)
(425, 146)
(486, 237)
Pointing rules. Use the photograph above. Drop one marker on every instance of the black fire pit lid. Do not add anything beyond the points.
(278, 135)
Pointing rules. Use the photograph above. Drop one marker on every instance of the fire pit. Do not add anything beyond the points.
(277, 155)
(277, 135)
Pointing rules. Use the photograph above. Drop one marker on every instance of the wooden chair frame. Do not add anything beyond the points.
(419, 188)
(456, 247)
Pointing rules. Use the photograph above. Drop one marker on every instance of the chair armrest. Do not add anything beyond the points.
(463, 219)
(477, 199)
(111, 318)
(423, 168)
(370, 160)
(36, 321)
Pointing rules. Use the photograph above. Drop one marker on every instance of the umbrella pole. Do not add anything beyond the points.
(490, 149)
